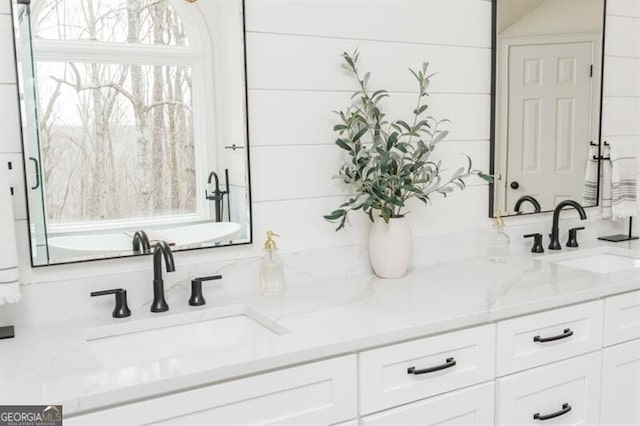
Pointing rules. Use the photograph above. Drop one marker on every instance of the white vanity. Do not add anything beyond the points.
(462, 342)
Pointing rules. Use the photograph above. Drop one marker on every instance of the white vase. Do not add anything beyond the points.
(390, 247)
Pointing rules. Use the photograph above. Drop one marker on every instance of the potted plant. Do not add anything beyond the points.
(389, 164)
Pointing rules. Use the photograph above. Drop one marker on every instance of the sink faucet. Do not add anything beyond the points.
(529, 198)
(140, 243)
(162, 248)
(555, 231)
(218, 196)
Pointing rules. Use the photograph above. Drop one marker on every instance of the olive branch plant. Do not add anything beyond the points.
(394, 165)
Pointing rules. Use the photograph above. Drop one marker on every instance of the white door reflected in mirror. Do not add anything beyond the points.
(548, 101)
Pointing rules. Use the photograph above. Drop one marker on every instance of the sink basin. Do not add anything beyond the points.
(600, 260)
(168, 336)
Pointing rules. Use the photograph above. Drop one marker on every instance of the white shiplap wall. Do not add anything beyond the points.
(295, 80)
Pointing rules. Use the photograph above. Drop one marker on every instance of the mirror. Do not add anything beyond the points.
(134, 119)
(546, 104)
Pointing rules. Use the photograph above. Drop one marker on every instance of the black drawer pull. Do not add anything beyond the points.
(565, 409)
(566, 333)
(448, 364)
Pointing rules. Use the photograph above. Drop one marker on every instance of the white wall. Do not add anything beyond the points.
(295, 81)
(550, 17)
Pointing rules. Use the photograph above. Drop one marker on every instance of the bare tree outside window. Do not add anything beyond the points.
(116, 133)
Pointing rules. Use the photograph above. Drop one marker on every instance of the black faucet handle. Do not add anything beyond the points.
(573, 237)
(537, 242)
(121, 310)
(197, 299)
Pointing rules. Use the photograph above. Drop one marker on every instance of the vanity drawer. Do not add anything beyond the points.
(316, 393)
(548, 336)
(471, 407)
(621, 318)
(566, 392)
(410, 371)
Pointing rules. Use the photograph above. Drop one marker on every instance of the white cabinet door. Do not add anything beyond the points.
(318, 393)
(564, 393)
(469, 407)
(621, 384)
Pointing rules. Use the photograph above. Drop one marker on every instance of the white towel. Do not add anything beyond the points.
(606, 183)
(9, 284)
(624, 178)
(590, 192)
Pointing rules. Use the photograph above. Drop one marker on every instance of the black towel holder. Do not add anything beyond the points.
(618, 238)
(600, 157)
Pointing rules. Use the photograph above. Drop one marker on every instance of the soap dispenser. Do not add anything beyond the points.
(499, 241)
(271, 270)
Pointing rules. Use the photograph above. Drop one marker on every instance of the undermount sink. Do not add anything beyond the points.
(601, 260)
(168, 336)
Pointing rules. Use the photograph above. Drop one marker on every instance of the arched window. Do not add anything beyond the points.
(116, 96)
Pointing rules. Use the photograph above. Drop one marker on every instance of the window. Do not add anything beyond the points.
(115, 98)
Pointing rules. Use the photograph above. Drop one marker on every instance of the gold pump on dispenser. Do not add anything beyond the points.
(270, 244)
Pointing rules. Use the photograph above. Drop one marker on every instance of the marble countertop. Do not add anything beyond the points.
(53, 363)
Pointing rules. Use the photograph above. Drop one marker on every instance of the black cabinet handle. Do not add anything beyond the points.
(566, 333)
(565, 409)
(515, 185)
(448, 364)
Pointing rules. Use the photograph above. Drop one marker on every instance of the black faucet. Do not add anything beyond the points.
(529, 198)
(555, 231)
(218, 196)
(162, 248)
(141, 243)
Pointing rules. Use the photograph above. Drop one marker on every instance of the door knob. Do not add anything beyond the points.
(515, 185)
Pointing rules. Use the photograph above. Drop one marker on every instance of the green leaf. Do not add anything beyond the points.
(343, 144)
(348, 59)
(386, 214)
(404, 124)
(360, 133)
(335, 215)
(365, 80)
(415, 75)
(392, 140)
(486, 177)
(459, 172)
(420, 110)
(440, 136)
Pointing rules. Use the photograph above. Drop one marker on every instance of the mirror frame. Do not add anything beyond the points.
(492, 130)
(245, 87)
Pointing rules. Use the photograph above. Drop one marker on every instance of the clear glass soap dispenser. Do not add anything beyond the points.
(499, 241)
(271, 268)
